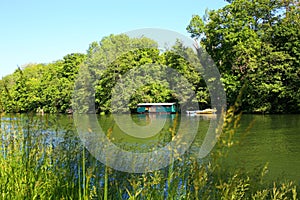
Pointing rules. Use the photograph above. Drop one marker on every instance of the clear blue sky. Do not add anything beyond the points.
(36, 31)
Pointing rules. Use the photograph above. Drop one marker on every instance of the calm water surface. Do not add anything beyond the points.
(272, 139)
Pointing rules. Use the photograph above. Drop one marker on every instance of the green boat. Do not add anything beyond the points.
(157, 108)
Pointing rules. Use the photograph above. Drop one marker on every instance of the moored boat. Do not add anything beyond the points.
(206, 111)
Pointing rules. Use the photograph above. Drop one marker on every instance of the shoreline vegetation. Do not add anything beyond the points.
(255, 45)
(35, 165)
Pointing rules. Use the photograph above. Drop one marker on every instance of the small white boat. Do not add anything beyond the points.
(206, 111)
(191, 112)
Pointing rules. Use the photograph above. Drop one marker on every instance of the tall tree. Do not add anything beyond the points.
(241, 39)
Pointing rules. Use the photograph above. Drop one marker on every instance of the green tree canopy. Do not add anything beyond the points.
(255, 44)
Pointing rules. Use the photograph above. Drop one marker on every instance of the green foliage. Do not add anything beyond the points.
(49, 88)
(118, 68)
(38, 86)
(120, 61)
(36, 164)
(29, 167)
(255, 43)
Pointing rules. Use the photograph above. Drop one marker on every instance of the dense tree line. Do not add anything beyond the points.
(49, 87)
(254, 43)
(41, 86)
(256, 46)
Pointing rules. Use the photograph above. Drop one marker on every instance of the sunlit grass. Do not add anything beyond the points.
(35, 164)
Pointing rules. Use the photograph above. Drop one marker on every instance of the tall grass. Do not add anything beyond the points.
(29, 169)
(38, 164)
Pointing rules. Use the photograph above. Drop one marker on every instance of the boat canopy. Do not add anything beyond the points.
(156, 104)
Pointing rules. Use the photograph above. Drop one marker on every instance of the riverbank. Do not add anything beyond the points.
(42, 156)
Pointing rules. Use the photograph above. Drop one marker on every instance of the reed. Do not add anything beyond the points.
(36, 164)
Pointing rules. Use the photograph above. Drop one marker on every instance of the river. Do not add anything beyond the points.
(272, 139)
